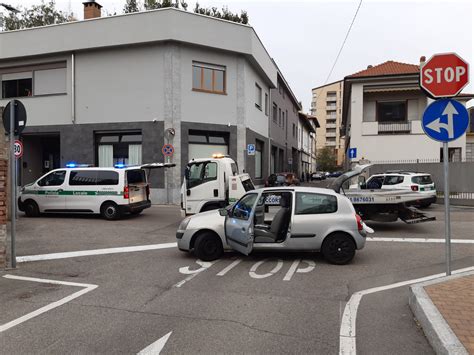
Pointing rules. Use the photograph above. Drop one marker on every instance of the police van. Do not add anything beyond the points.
(110, 192)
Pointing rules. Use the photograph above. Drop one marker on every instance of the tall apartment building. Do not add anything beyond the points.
(326, 105)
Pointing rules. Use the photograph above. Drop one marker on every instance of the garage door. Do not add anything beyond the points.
(197, 151)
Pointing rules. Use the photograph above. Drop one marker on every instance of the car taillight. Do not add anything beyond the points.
(359, 222)
(126, 193)
(414, 188)
(147, 192)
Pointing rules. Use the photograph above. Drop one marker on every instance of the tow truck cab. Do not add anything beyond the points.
(212, 183)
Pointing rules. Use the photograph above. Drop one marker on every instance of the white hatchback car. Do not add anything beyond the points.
(279, 218)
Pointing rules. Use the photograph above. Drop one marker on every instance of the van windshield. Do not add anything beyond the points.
(200, 173)
(135, 177)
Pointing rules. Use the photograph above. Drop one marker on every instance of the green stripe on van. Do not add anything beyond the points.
(72, 193)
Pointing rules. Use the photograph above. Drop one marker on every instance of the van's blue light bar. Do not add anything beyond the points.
(75, 165)
(120, 165)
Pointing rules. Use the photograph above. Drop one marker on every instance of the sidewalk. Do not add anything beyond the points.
(445, 310)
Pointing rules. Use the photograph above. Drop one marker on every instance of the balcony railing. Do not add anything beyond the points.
(330, 134)
(330, 143)
(331, 107)
(331, 98)
(394, 128)
(330, 125)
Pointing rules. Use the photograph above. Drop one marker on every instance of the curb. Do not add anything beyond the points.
(438, 332)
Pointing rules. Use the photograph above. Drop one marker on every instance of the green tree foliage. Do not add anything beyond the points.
(159, 4)
(224, 14)
(37, 15)
(131, 6)
(326, 159)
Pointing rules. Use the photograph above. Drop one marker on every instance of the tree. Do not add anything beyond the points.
(36, 16)
(131, 6)
(159, 4)
(326, 159)
(224, 14)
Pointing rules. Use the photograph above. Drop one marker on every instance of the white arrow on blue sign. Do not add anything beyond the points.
(445, 120)
(251, 149)
(352, 153)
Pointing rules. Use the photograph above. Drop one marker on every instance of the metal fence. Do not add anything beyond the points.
(394, 128)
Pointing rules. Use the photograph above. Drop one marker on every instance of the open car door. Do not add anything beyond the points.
(239, 224)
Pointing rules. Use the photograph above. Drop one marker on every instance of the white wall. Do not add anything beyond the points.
(255, 118)
(206, 107)
(121, 85)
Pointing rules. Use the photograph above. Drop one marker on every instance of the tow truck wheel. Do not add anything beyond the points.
(31, 209)
(110, 211)
(338, 248)
(208, 247)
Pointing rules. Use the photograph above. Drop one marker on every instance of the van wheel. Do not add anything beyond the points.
(338, 249)
(110, 211)
(208, 247)
(31, 209)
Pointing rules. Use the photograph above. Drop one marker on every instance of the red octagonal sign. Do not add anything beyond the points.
(444, 75)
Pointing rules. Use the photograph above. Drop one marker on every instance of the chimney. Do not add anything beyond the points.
(422, 60)
(91, 9)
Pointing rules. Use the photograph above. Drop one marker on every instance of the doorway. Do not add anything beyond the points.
(41, 154)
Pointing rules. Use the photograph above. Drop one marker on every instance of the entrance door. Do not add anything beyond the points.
(50, 191)
(239, 224)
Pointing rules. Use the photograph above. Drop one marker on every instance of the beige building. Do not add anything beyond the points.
(326, 105)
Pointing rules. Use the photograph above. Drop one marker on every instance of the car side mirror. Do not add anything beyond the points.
(363, 185)
(224, 212)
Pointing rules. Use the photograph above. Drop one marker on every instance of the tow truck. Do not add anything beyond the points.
(381, 205)
(212, 183)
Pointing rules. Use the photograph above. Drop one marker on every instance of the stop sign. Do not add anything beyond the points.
(444, 75)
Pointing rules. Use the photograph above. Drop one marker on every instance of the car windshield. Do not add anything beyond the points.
(422, 180)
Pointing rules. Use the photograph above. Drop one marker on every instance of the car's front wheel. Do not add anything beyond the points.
(31, 209)
(208, 247)
(338, 248)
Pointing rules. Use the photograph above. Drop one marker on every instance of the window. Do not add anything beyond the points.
(283, 120)
(275, 113)
(136, 176)
(391, 111)
(422, 180)
(258, 96)
(453, 153)
(17, 88)
(279, 117)
(244, 206)
(199, 173)
(393, 180)
(266, 104)
(209, 78)
(310, 203)
(56, 178)
(106, 177)
(294, 130)
(258, 159)
(116, 147)
(50, 81)
(203, 144)
(83, 177)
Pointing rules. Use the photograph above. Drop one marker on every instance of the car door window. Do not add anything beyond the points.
(392, 180)
(56, 178)
(311, 203)
(243, 207)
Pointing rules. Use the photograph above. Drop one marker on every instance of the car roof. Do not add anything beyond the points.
(101, 168)
(299, 189)
(401, 173)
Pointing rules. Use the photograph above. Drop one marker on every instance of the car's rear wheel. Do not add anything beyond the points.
(110, 211)
(31, 209)
(338, 248)
(208, 247)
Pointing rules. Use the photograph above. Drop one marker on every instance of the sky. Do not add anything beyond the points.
(304, 36)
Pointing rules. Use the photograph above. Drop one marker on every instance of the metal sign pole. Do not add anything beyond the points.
(13, 185)
(447, 219)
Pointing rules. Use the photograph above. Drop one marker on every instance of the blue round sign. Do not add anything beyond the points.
(445, 120)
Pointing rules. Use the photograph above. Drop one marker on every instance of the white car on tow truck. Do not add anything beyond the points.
(278, 218)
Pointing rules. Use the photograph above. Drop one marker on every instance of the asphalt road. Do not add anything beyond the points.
(256, 306)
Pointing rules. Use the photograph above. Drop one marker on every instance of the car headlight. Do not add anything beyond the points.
(184, 224)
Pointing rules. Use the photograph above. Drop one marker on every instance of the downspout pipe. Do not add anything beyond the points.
(73, 88)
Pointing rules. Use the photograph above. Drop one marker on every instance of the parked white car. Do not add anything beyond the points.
(289, 218)
(404, 180)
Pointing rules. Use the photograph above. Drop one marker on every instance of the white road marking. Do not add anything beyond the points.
(420, 240)
(293, 268)
(347, 335)
(253, 273)
(15, 322)
(156, 347)
(205, 265)
(75, 254)
(229, 267)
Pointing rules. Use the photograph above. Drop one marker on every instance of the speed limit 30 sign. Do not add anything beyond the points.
(18, 149)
